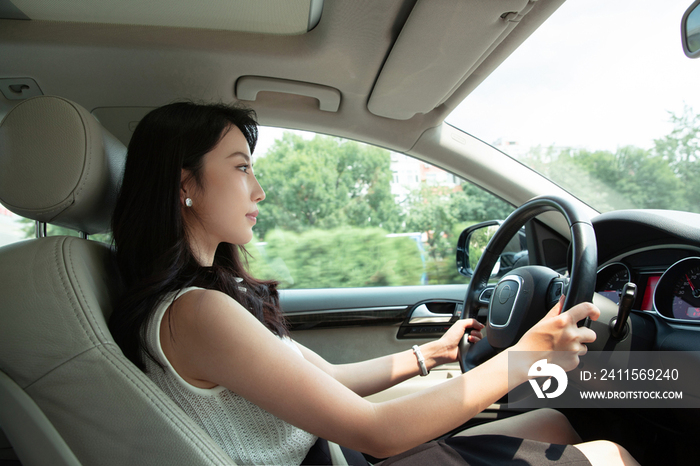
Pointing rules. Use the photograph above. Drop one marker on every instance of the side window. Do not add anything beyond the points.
(11, 227)
(14, 228)
(339, 213)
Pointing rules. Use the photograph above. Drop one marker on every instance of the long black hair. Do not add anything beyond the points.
(152, 250)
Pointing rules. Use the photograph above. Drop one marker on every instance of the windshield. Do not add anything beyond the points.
(601, 100)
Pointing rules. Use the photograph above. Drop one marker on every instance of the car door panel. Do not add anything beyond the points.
(353, 324)
(348, 324)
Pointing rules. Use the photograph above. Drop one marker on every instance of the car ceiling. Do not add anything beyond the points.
(400, 66)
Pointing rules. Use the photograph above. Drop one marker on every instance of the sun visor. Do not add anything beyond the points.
(266, 17)
(441, 44)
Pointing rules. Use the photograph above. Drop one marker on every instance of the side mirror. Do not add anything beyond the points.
(690, 30)
(473, 241)
(471, 245)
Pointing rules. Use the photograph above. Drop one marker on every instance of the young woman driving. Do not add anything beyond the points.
(214, 339)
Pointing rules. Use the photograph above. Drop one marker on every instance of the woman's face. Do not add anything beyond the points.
(226, 206)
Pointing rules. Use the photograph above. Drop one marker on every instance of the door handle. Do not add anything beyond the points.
(422, 315)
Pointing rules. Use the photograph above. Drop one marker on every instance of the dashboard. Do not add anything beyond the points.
(659, 251)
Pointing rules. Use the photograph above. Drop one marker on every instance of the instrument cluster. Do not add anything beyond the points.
(673, 291)
(678, 290)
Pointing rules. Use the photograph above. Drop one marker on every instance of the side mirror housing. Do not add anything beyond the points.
(473, 241)
(471, 245)
(690, 30)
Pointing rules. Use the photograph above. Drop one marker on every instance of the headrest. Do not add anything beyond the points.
(58, 165)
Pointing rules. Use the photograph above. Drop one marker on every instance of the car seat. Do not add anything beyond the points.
(67, 393)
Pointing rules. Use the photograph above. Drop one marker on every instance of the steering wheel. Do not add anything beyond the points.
(521, 297)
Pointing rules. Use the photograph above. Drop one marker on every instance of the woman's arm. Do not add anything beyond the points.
(216, 341)
(372, 376)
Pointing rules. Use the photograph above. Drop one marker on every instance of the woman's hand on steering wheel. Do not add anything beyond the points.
(447, 346)
(558, 337)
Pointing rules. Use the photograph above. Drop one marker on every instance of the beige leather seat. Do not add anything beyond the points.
(67, 394)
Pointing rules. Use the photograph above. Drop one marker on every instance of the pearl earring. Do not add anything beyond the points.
(188, 202)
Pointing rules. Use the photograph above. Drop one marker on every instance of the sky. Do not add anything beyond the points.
(267, 136)
(589, 80)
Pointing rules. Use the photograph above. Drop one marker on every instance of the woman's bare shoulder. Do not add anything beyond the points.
(201, 309)
(203, 300)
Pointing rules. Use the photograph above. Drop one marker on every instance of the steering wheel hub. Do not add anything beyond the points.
(503, 301)
(514, 304)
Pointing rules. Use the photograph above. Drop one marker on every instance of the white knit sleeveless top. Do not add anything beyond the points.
(249, 434)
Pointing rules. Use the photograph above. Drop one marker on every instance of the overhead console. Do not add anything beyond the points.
(423, 70)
